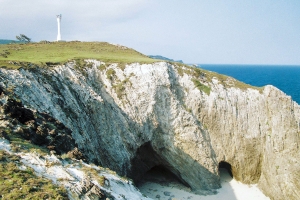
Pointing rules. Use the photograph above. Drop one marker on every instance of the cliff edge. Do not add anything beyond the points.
(134, 117)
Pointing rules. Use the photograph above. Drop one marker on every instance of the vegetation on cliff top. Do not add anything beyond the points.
(201, 76)
(60, 52)
(14, 56)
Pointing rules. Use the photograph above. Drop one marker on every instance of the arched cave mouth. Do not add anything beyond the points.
(225, 167)
(148, 166)
(160, 174)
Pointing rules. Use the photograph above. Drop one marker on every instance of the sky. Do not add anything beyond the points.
(195, 31)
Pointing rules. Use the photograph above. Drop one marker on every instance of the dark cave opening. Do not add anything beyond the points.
(226, 167)
(148, 166)
(160, 174)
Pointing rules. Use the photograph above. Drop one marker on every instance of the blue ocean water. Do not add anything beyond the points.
(286, 78)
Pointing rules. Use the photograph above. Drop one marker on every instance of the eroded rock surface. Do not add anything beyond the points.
(81, 180)
(133, 118)
(39, 128)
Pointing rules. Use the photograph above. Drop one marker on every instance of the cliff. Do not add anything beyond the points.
(131, 118)
(40, 160)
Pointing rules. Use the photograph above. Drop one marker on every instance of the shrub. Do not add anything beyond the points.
(94, 174)
(180, 70)
(110, 73)
(120, 89)
(102, 67)
(65, 156)
(201, 87)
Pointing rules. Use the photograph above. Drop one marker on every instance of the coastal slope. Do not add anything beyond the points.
(133, 117)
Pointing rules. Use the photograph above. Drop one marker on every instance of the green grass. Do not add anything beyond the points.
(207, 76)
(120, 87)
(24, 184)
(94, 174)
(223, 79)
(20, 144)
(49, 54)
(201, 87)
(61, 52)
(110, 73)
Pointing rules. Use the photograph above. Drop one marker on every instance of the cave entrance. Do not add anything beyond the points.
(161, 175)
(225, 170)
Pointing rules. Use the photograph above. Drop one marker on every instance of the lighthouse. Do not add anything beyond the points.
(58, 17)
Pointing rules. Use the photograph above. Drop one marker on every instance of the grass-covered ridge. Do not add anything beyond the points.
(14, 56)
(60, 52)
(201, 75)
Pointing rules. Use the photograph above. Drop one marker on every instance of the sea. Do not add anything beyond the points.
(284, 77)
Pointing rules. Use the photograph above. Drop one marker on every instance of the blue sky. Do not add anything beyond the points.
(195, 31)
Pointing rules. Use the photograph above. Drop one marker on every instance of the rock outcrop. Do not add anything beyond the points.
(39, 128)
(71, 178)
(135, 117)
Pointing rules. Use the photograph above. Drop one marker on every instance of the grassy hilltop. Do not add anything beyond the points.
(14, 56)
(60, 52)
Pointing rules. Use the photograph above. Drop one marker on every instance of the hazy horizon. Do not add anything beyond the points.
(241, 64)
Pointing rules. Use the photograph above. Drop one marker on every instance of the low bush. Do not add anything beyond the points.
(110, 73)
(201, 86)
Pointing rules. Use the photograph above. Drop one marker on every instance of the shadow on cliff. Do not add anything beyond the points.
(94, 119)
(161, 172)
(161, 153)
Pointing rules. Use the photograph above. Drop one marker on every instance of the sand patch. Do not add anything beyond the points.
(159, 186)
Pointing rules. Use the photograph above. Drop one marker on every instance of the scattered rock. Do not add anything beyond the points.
(167, 193)
(75, 153)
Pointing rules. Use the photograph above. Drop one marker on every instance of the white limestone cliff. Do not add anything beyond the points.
(133, 118)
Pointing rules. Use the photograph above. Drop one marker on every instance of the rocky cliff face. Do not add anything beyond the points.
(134, 117)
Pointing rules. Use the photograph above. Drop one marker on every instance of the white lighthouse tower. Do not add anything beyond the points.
(58, 17)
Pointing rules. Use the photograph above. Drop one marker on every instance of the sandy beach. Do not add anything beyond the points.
(164, 187)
